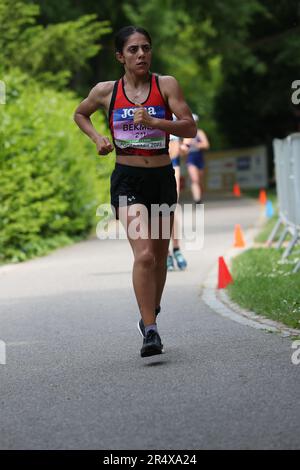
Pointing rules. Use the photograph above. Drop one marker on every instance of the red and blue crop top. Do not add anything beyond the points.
(137, 139)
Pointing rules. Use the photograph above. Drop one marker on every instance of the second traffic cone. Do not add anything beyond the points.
(224, 277)
(236, 190)
(262, 197)
(239, 241)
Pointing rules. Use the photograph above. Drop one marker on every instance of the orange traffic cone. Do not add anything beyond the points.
(224, 274)
(236, 190)
(262, 197)
(239, 241)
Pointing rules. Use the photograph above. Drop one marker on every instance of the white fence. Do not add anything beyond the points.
(287, 168)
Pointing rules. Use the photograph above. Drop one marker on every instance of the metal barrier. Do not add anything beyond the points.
(287, 170)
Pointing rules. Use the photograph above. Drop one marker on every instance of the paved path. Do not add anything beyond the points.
(74, 378)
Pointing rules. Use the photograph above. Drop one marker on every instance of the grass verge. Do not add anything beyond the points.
(265, 285)
(263, 235)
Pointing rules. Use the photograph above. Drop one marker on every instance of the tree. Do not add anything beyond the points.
(254, 102)
(51, 54)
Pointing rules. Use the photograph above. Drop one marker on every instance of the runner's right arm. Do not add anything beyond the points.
(97, 98)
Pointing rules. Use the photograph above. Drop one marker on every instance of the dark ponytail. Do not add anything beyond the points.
(124, 33)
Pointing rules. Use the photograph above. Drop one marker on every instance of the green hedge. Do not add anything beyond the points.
(51, 178)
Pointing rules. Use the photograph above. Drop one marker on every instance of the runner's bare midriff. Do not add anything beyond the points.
(143, 161)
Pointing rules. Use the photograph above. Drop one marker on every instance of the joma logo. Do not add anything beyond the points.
(128, 112)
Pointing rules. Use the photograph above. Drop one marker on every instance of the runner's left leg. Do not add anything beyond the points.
(160, 248)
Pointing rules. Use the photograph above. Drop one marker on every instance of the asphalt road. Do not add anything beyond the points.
(74, 378)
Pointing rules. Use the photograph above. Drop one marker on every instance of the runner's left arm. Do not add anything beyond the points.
(184, 126)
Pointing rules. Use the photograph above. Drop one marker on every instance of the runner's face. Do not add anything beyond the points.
(136, 54)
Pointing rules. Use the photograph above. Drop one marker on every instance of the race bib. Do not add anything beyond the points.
(139, 136)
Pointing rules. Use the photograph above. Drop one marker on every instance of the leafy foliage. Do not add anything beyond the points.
(50, 180)
(51, 54)
(234, 60)
(254, 102)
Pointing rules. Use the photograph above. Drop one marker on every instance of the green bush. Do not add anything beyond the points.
(51, 178)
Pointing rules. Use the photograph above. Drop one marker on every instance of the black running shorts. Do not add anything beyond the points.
(143, 186)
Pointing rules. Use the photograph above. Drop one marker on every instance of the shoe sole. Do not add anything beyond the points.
(151, 351)
(139, 329)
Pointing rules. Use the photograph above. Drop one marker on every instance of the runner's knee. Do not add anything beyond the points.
(145, 258)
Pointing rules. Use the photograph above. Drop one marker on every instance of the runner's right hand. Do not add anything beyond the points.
(103, 145)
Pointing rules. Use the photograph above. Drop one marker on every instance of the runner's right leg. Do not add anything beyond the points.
(144, 277)
(144, 273)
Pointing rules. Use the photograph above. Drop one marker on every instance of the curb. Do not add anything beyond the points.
(219, 301)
